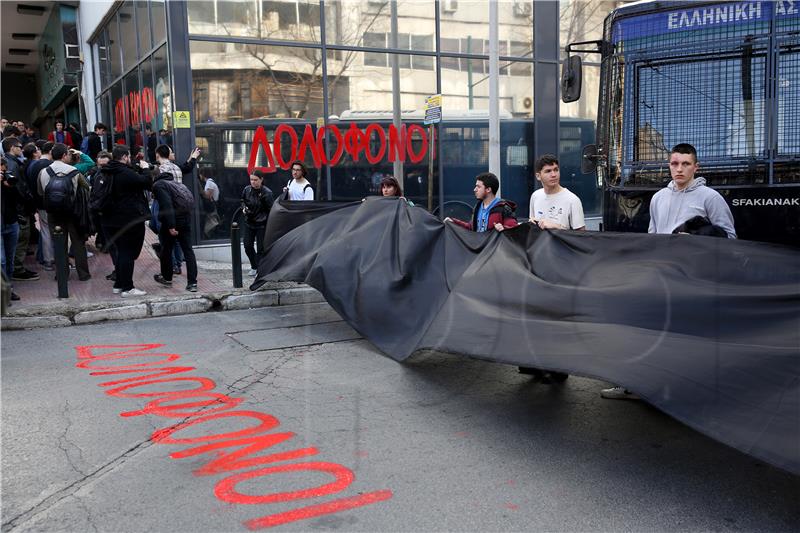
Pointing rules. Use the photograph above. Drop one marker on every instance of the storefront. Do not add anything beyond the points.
(340, 85)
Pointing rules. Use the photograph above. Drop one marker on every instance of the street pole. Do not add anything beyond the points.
(494, 90)
(397, 168)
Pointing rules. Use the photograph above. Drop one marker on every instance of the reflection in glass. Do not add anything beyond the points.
(120, 117)
(127, 30)
(159, 20)
(348, 22)
(224, 17)
(114, 52)
(131, 102)
(143, 25)
(257, 82)
(163, 97)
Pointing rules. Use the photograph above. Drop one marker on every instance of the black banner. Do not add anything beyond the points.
(706, 329)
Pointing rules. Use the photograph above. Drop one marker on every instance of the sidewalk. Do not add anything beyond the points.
(93, 301)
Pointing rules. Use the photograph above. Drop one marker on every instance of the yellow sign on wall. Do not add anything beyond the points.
(183, 119)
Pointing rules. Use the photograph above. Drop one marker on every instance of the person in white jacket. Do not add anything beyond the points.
(687, 196)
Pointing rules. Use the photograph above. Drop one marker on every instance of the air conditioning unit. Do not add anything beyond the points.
(523, 104)
(523, 9)
(449, 6)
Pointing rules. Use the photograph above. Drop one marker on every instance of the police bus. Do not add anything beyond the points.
(723, 76)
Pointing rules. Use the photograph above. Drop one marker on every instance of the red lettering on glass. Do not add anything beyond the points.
(354, 141)
(260, 141)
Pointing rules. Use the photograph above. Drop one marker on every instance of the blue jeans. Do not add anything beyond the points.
(10, 236)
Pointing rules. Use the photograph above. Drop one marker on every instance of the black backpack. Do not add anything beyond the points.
(59, 195)
(182, 199)
(100, 197)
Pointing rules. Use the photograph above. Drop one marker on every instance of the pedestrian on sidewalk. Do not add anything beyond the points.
(102, 241)
(176, 204)
(256, 204)
(45, 253)
(166, 164)
(123, 222)
(15, 163)
(65, 200)
(298, 187)
(9, 230)
(94, 141)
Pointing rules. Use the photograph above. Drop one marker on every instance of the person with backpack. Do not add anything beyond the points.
(256, 205)
(64, 192)
(165, 161)
(298, 187)
(176, 205)
(123, 219)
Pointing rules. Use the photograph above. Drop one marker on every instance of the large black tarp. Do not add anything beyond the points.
(706, 329)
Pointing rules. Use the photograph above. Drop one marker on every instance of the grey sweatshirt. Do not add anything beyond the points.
(670, 207)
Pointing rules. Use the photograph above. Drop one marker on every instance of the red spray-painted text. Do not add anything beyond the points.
(229, 452)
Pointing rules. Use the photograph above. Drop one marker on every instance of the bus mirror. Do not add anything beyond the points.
(571, 71)
(589, 159)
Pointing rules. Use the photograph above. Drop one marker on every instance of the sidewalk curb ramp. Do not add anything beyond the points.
(64, 314)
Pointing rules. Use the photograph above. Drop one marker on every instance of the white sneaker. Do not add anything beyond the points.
(116, 290)
(89, 254)
(132, 293)
(252, 272)
(618, 393)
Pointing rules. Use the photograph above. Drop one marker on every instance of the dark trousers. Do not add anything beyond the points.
(77, 243)
(128, 241)
(184, 240)
(108, 244)
(250, 233)
(22, 245)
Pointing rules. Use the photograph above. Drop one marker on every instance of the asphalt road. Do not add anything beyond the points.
(439, 443)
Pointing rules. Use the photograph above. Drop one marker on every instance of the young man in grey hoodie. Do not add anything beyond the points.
(687, 196)
(683, 198)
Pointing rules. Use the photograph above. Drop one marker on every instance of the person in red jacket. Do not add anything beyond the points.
(61, 136)
(490, 211)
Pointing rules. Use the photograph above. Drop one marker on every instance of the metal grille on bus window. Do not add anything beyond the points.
(715, 104)
(789, 101)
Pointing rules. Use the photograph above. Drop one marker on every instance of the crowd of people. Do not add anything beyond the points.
(70, 181)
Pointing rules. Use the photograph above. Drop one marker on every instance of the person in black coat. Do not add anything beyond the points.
(175, 225)
(123, 222)
(257, 201)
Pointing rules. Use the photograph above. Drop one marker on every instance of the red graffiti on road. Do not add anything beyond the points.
(229, 452)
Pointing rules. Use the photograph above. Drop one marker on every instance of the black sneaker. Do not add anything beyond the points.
(160, 279)
(25, 275)
(112, 276)
(192, 287)
(14, 296)
(176, 270)
(156, 247)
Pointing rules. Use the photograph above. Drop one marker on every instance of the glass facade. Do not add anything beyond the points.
(278, 80)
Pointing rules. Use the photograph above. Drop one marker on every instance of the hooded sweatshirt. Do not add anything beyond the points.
(670, 207)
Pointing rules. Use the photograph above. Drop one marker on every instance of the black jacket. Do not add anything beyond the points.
(257, 204)
(167, 215)
(128, 200)
(33, 178)
(95, 145)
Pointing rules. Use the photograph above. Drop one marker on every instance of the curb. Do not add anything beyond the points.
(92, 314)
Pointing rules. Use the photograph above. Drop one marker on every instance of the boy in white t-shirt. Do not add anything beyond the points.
(554, 206)
(299, 188)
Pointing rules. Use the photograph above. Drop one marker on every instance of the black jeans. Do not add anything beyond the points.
(128, 241)
(184, 239)
(250, 233)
